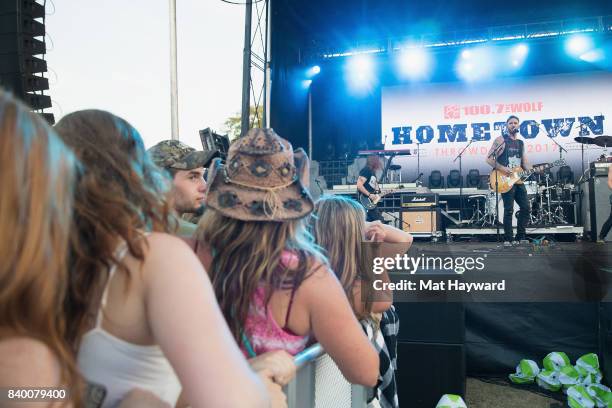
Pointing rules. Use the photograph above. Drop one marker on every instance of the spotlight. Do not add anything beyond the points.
(312, 71)
(518, 54)
(360, 71)
(596, 55)
(475, 64)
(414, 63)
(578, 44)
(520, 51)
(306, 83)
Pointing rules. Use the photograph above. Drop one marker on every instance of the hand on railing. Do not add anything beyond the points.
(277, 364)
(138, 398)
(308, 355)
(278, 399)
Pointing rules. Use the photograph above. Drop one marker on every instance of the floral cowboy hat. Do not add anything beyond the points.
(262, 180)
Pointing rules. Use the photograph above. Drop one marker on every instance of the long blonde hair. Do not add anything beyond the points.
(37, 173)
(338, 226)
(247, 254)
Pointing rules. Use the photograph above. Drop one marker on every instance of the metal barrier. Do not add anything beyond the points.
(320, 384)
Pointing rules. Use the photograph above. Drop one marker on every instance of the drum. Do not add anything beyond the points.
(500, 208)
(531, 187)
(560, 194)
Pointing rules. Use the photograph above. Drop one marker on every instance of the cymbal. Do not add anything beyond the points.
(585, 140)
(603, 140)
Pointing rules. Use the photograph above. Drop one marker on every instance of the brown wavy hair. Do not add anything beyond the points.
(37, 173)
(120, 195)
(247, 254)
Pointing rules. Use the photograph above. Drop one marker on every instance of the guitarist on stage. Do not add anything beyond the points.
(510, 152)
(367, 184)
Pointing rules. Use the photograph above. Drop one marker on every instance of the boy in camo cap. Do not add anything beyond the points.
(186, 167)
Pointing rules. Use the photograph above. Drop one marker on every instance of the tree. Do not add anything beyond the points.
(233, 123)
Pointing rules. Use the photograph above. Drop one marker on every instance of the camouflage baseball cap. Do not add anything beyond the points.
(173, 154)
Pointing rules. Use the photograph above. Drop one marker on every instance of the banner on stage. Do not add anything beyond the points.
(443, 118)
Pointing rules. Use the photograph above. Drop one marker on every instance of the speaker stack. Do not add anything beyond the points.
(595, 200)
(430, 352)
(22, 49)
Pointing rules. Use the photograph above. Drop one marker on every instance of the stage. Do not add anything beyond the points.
(556, 298)
(532, 232)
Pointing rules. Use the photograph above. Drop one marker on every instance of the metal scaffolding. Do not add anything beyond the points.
(256, 83)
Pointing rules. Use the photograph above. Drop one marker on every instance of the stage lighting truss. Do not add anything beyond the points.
(546, 29)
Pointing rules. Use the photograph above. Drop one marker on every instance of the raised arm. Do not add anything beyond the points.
(189, 327)
(610, 177)
(334, 326)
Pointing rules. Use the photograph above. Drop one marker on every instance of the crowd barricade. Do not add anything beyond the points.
(320, 384)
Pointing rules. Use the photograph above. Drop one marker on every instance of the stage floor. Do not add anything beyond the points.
(560, 229)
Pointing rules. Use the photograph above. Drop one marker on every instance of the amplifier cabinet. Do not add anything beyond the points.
(595, 205)
(417, 220)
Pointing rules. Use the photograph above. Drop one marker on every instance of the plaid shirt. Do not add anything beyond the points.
(385, 342)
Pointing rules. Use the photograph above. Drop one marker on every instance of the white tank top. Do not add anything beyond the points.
(122, 366)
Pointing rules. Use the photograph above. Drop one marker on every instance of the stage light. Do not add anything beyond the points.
(518, 54)
(592, 56)
(475, 64)
(360, 72)
(306, 83)
(520, 51)
(578, 44)
(312, 71)
(414, 63)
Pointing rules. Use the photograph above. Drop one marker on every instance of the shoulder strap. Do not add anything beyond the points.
(297, 278)
(290, 305)
(120, 253)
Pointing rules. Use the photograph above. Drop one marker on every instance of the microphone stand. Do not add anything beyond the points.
(556, 133)
(320, 188)
(418, 160)
(460, 156)
(400, 221)
(418, 180)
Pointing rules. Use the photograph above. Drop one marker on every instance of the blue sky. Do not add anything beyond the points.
(115, 55)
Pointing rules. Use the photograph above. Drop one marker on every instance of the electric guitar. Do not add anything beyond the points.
(505, 183)
(370, 203)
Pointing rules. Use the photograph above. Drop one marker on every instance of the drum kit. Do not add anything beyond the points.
(548, 201)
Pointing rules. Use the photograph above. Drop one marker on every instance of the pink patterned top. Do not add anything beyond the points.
(261, 330)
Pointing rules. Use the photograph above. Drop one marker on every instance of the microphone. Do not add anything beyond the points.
(418, 178)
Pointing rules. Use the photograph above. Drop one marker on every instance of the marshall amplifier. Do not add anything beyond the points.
(420, 214)
(416, 200)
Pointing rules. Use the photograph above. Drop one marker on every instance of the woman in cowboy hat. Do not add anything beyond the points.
(140, 307)
(275, 288)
